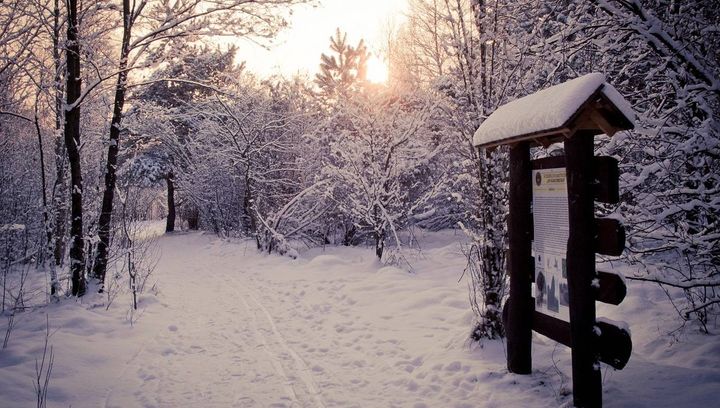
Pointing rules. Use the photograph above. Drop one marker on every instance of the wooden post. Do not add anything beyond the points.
(587, 387)
(520, 266)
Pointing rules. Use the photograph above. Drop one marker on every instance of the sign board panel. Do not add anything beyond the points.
(551, 231)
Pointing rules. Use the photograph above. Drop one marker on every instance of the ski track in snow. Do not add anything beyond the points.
(300, 370)
(205, 354)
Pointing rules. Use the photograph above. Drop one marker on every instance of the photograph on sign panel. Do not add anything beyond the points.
(550, 288)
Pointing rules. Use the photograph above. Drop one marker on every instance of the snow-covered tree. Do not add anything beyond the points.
(160, 125)
(662, 56)
(374, 166)
(156, 25)
(468, 52)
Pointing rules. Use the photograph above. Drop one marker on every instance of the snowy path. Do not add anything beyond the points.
(237, 328)
(234, 328)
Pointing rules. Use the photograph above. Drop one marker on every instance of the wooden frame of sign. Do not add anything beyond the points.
(589, 179)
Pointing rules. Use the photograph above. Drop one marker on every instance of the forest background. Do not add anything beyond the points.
(112, 113)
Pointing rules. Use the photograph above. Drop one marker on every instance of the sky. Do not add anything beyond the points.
(297, 49)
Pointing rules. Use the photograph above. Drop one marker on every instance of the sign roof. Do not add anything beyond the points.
(548, 112)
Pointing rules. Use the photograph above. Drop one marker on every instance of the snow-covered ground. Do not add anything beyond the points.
(229, 327)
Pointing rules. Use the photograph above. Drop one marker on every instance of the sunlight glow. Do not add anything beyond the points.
(297, 49)
(377, 70)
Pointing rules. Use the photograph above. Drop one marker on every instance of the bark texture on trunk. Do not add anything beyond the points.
(72, 145)
(105, 220)
(170, 226)
(60, 187)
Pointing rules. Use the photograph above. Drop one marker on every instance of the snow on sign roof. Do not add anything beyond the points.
(547, 110)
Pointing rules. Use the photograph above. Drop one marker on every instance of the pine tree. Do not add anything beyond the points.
(343, 73)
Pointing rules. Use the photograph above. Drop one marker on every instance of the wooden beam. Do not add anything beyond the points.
(520, 262)
(587, 386)
(599, 119)
(607, 175)
(612, 288)
(614, 343)
(610, 237)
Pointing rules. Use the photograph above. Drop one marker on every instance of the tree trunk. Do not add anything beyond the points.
(491, 254)
(46, 216)
(60, 206)
(379, 245)
(60, 186)
(72, 145)
(349, 236)
(193, 218)
(101, 253)
(170, 226)
(248, 203)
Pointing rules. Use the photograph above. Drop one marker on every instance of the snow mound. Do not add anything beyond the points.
(321, 261)
(391, 270)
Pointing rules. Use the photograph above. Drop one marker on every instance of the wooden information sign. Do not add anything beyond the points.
(552, 230)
